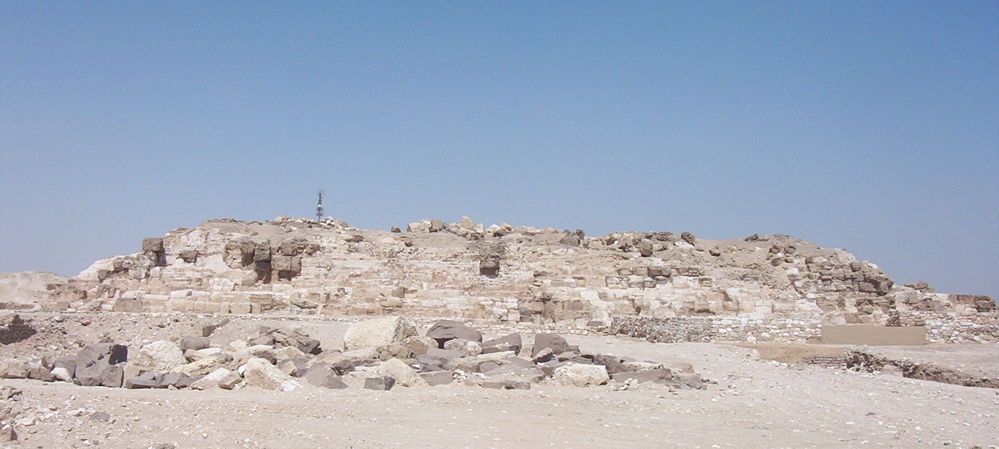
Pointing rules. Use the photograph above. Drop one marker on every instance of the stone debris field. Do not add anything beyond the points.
(302, 333)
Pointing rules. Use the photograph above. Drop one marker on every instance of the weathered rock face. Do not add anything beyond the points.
(501, 273)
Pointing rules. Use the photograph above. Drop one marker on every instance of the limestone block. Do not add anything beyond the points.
(258, 372)
(419, 226)
(211, 380)
(240, 308)
(555, 342)
(262, 254)
(378, 332)
(682, 282)
(281, 263)
(445, 330)
(403, 374)
(466, 347)
(153, 244)
(581, 375)
(382, 383)
(13, 369)
(159, 356)
(189, 255)
(200, 367)
(194, 342)
(325, 377)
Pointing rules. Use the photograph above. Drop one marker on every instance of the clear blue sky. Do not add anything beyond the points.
(870, 126)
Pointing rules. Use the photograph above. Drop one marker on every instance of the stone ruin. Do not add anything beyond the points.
(378, 354)
(501, 275)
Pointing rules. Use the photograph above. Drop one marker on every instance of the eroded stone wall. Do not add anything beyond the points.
(500, 274)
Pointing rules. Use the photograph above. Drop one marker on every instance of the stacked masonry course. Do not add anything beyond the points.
(768, 288)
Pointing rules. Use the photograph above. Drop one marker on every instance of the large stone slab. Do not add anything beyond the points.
(258, 372)
(445, 330)
(159, 356)
(581, 375)
(378, 332)
(512, 342)
(325, 377)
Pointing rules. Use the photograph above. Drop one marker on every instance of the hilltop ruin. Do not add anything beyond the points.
(503, 275)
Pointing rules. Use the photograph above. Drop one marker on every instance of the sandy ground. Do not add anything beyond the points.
(752, 403)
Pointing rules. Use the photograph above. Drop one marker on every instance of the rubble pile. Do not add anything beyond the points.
(861, 359)
(378, 354)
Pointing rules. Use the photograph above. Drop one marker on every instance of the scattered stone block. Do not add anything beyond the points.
(137, 383)
(544, 355)
(112, 376)
(419, 345)
(581, 375)
(467, 348)
(194, 343)
(13, 369)
(378, 332)
(445, 330)
(556, 342)
(212, 380)
(403, 374)
(38, 370)
(177, 380)
(382, 383)
(200, 367)
(325, 377)
(230, 381)
(434, 378)
(258, 372)
(160, 356)
(512, 342)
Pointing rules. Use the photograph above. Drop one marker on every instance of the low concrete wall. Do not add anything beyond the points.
(873, 335)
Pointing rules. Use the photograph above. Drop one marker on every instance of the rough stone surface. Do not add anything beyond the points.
(378, 332)
(581, 375)
(211, 380)
(161, 356)
(554, 342)
(445, 330)
(261, 373)
(465, 347)
(511, 342)
(324, 376)
(403, 374)
(500, 274)
(383, 383)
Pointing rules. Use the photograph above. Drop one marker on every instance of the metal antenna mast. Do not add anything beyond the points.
(319, 206)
